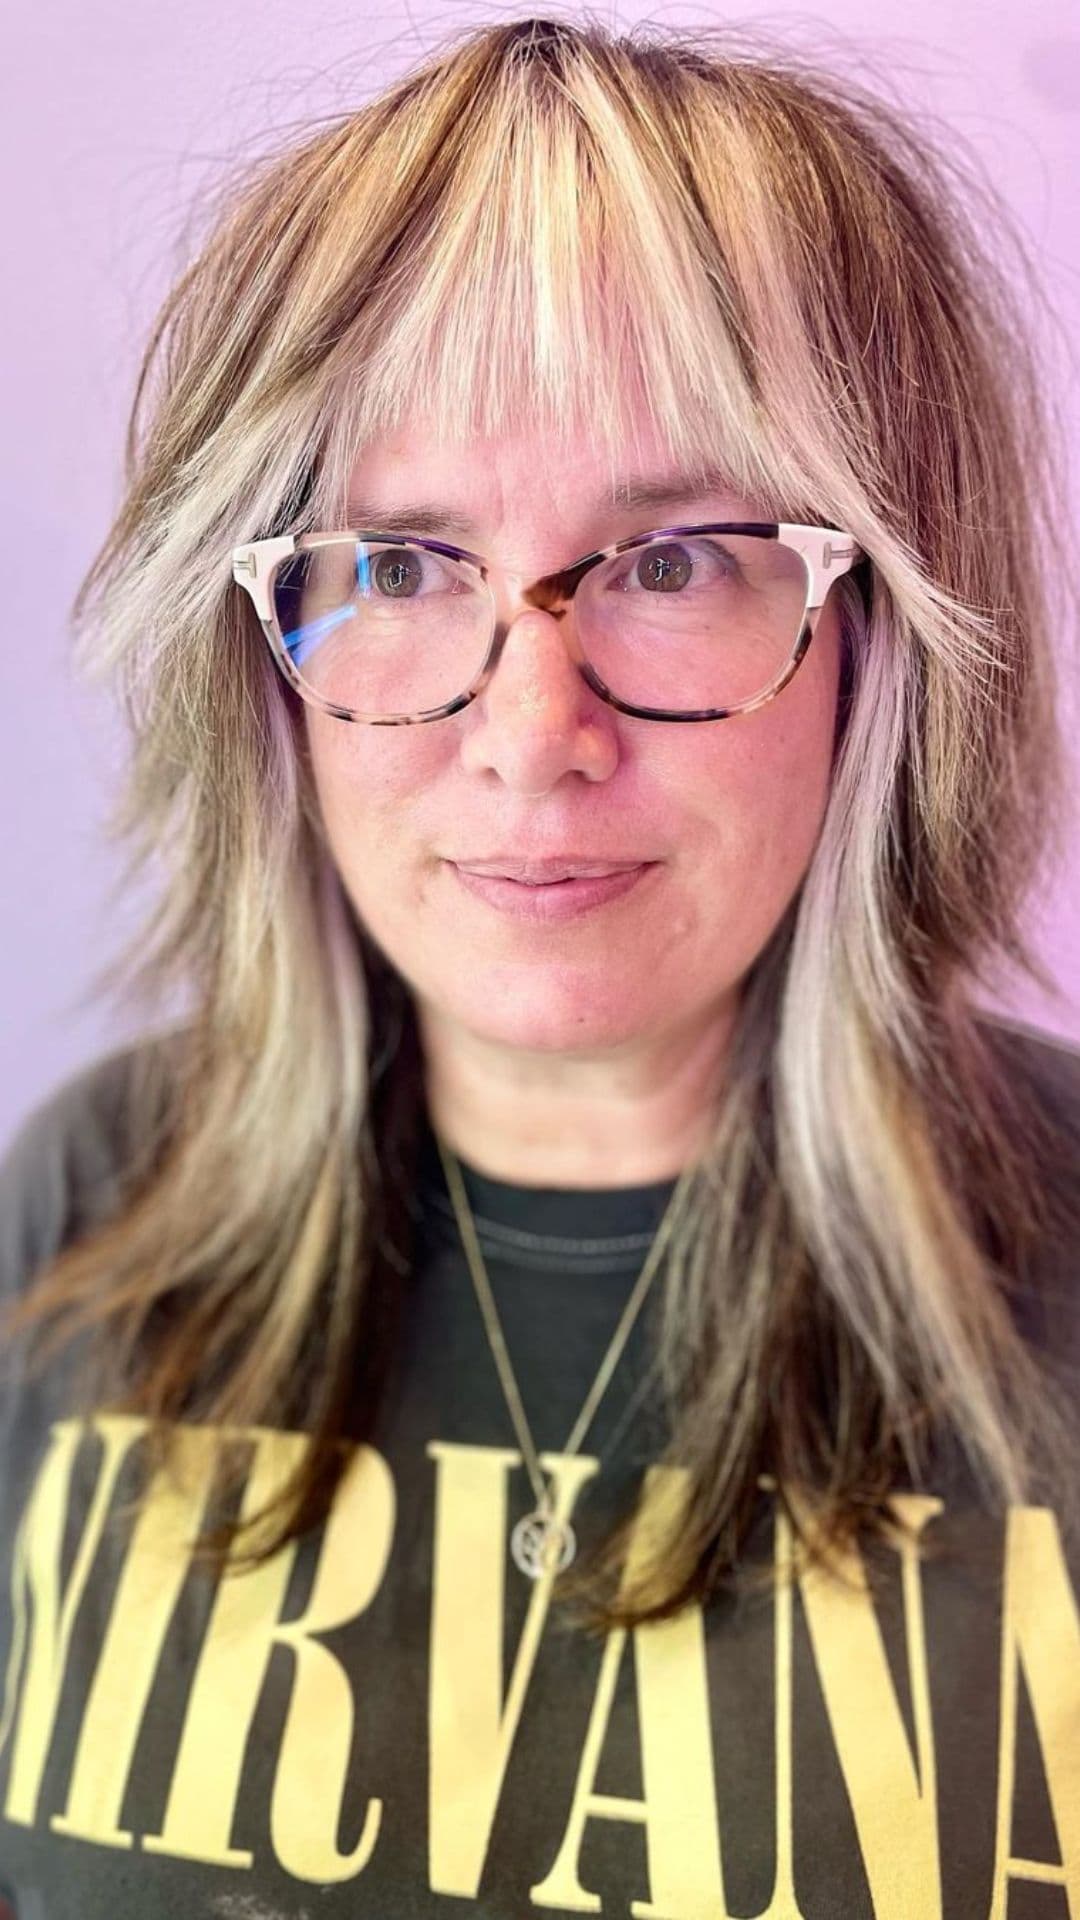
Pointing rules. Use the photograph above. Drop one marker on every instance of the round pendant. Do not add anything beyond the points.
(537, 1540)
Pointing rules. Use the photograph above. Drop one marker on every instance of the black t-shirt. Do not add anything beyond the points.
(391, 1719)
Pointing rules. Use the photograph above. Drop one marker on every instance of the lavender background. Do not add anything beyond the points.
(117, 117)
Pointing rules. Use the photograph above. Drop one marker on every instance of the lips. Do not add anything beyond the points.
(544, 902)
(539, 873)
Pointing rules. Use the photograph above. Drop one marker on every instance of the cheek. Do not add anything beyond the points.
(365, 793)
(761, 786)
(795, 741)
(367, 782)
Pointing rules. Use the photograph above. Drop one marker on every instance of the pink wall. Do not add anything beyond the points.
(116, 116)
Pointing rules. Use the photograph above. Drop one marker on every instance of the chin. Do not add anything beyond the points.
(510, 1010)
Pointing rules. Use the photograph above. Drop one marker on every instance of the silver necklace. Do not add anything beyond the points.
(541, 1541)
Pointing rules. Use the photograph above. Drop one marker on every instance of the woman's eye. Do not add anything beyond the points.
(671, 566)
(399, 573)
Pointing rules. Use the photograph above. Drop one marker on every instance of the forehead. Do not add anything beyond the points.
(526, 481)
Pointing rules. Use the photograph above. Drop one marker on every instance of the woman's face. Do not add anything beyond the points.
(728, 810)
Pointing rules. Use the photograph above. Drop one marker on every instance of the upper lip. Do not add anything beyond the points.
(557, 867)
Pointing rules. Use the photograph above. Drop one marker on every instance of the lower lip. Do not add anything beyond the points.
(560, 900)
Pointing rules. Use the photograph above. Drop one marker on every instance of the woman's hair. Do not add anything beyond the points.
(541, 219)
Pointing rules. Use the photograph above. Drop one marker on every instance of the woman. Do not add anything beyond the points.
(557, 1392)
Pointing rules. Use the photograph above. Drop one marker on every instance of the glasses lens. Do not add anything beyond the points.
(683, 622)
(708, 620)
(381, 627)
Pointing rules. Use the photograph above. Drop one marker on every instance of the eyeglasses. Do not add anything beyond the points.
(683, 623)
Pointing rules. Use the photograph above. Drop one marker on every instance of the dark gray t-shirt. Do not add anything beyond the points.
(390, 1720)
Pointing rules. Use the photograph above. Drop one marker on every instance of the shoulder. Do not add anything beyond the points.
(64, 1166)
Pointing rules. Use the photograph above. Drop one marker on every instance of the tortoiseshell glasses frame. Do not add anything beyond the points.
(827, 553)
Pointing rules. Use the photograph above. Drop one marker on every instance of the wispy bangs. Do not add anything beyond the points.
(554, 285)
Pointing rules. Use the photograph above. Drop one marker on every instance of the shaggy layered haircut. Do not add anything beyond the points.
(819, 301)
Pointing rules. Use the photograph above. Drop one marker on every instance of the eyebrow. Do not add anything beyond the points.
(424, 517)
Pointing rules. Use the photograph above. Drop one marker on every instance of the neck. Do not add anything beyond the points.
(623, 1117)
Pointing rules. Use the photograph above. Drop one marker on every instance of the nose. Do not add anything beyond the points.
(537, 718)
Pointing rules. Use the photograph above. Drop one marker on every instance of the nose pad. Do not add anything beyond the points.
(549, 595)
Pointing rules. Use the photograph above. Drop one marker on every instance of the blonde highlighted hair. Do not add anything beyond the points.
(540, 216)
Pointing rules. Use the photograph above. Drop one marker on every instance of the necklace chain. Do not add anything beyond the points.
(540, 1541)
